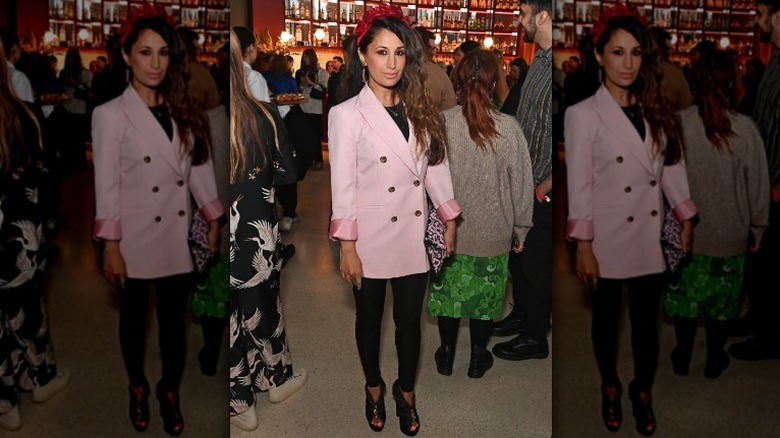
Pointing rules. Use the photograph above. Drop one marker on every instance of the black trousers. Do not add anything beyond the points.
(644, 295)
(531, 272)
(760, 281)
(172, 293)
(408, 294)
(315, 122)
(288, 198)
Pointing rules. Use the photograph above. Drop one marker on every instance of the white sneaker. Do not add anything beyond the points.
(11, 420)
(286, 223)
(291, 386)
(54, 387)
(246, 420)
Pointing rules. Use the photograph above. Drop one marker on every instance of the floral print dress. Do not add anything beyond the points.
(259, 355)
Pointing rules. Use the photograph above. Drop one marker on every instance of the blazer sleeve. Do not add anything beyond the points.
(342, 145)
(580, 133)
(674, 183)
(106, 147)
(521, 187)
(438, 184)
(203, 186)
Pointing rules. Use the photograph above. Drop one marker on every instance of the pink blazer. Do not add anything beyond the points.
(379, 188)
(616, 187)
(143, 186)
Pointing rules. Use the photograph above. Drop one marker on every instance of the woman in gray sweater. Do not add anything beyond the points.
(493, 182)
(729, 182)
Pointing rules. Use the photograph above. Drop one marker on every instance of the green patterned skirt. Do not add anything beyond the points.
(469, 287)
(212, 290)
(708, 286)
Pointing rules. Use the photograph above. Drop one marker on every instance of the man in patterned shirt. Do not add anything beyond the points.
(531, 270)
(760, 277)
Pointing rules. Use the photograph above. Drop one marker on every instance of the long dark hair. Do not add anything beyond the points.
(244, 126)
(646, 88)
(309, 64)
(186, 113)
(411, 88)
(714, 78)
(476, 76)
(11, 124)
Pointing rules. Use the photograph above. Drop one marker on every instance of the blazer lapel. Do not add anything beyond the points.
(379, 120)
(147, 126)
(616, 121)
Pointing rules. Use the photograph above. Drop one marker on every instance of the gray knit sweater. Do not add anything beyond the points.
(494, 189)
(730, 190)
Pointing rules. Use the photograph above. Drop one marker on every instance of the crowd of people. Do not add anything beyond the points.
(677, 206)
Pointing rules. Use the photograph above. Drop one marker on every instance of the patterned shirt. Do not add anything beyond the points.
(766, 113)
(535, 113)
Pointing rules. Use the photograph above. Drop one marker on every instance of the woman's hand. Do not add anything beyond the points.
(686, 237)
(586, 266)
(214, 237)
(517, 248)
(351, 267)
(449, 236)
(114, 264)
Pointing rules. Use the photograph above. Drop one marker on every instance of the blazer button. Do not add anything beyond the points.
(416, 183)
(619, 159)
(182, 213)
(157, 219)
(393, 219)
(180, 183)
(418, 213)
(155, 189)
(391, 189)
(147, 159)
(627, 189)
(653, 183)
(653, 213)
(631, 218)
(383, 159)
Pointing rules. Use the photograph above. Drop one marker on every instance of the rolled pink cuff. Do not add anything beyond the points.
(108, 229)
(343, 229)
(579, 229)
(449, 210)
(685, 210)
(212, 210)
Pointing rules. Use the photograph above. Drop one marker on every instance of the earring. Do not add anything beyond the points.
(365, 68)
(127, 74)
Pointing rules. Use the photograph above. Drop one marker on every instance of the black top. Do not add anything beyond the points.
(161, 114)
(634, 113)
(397, 114)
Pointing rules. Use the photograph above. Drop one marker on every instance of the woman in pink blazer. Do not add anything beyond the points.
(623, 156)
(150, 151)
(387, 154)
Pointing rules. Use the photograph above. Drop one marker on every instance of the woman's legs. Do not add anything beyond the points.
(408, 294)
(172, 294)
(369, 308)
(480, 331)
(133, 306)
(644, 300)
(315, 121)
(684, 332)
(604, 325)
(448, 330)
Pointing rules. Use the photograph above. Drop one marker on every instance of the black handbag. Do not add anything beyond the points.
(316, 93)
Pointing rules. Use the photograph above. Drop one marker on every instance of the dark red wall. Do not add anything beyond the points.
(267, 14)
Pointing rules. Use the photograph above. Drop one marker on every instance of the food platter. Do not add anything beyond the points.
(290, 98)
(54, 99)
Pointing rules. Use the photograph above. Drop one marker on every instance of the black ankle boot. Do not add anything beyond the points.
(139, 407)
(444, 358)
(643, 410)
(173, 423)
(407, 414)
(481, 361)
(611, 410)
(375, 410)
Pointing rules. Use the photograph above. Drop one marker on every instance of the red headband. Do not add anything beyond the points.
(381, 11)
(146, 10)
(618, 11)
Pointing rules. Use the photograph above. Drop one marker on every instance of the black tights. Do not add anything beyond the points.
(480, 331)
(172, 293)
(408, 293)
(644, 294)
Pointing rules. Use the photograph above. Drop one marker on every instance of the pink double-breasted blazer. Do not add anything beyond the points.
(143, 186)
(616, 186)
(379, 186)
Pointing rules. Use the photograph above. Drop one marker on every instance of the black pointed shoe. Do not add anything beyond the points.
(522, 348)
(481, 361)
(444, 358)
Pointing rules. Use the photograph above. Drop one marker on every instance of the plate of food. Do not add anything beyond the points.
(290, 98)
(54, 99)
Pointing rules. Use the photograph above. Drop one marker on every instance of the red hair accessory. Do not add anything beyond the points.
(618, 11)
(381, 11)
(146, 10)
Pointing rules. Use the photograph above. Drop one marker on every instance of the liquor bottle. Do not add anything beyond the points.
(344, 15)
